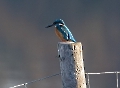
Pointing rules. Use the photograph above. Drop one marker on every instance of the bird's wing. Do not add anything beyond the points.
(66, 33)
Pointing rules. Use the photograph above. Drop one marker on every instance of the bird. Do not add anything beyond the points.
(62, 31)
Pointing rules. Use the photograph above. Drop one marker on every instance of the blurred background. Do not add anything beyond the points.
(28, 50)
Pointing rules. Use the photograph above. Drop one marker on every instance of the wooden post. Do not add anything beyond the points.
(71, 65)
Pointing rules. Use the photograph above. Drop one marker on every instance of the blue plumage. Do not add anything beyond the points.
(62, 31)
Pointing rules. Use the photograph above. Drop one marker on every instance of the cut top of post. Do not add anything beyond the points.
(71, 45)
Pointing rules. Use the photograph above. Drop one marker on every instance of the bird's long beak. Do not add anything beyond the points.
(49, 26)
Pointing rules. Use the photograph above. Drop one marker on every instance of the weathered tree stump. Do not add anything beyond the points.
(71, 65)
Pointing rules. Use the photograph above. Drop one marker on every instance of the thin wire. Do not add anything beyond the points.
(115, 72)
(102, 73)
(36, 80)
(88, 81)
(25, 84)
(117, 78)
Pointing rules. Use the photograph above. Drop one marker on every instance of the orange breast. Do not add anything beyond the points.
(60, 36)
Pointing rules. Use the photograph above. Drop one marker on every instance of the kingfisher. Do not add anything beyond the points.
(62, 31)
